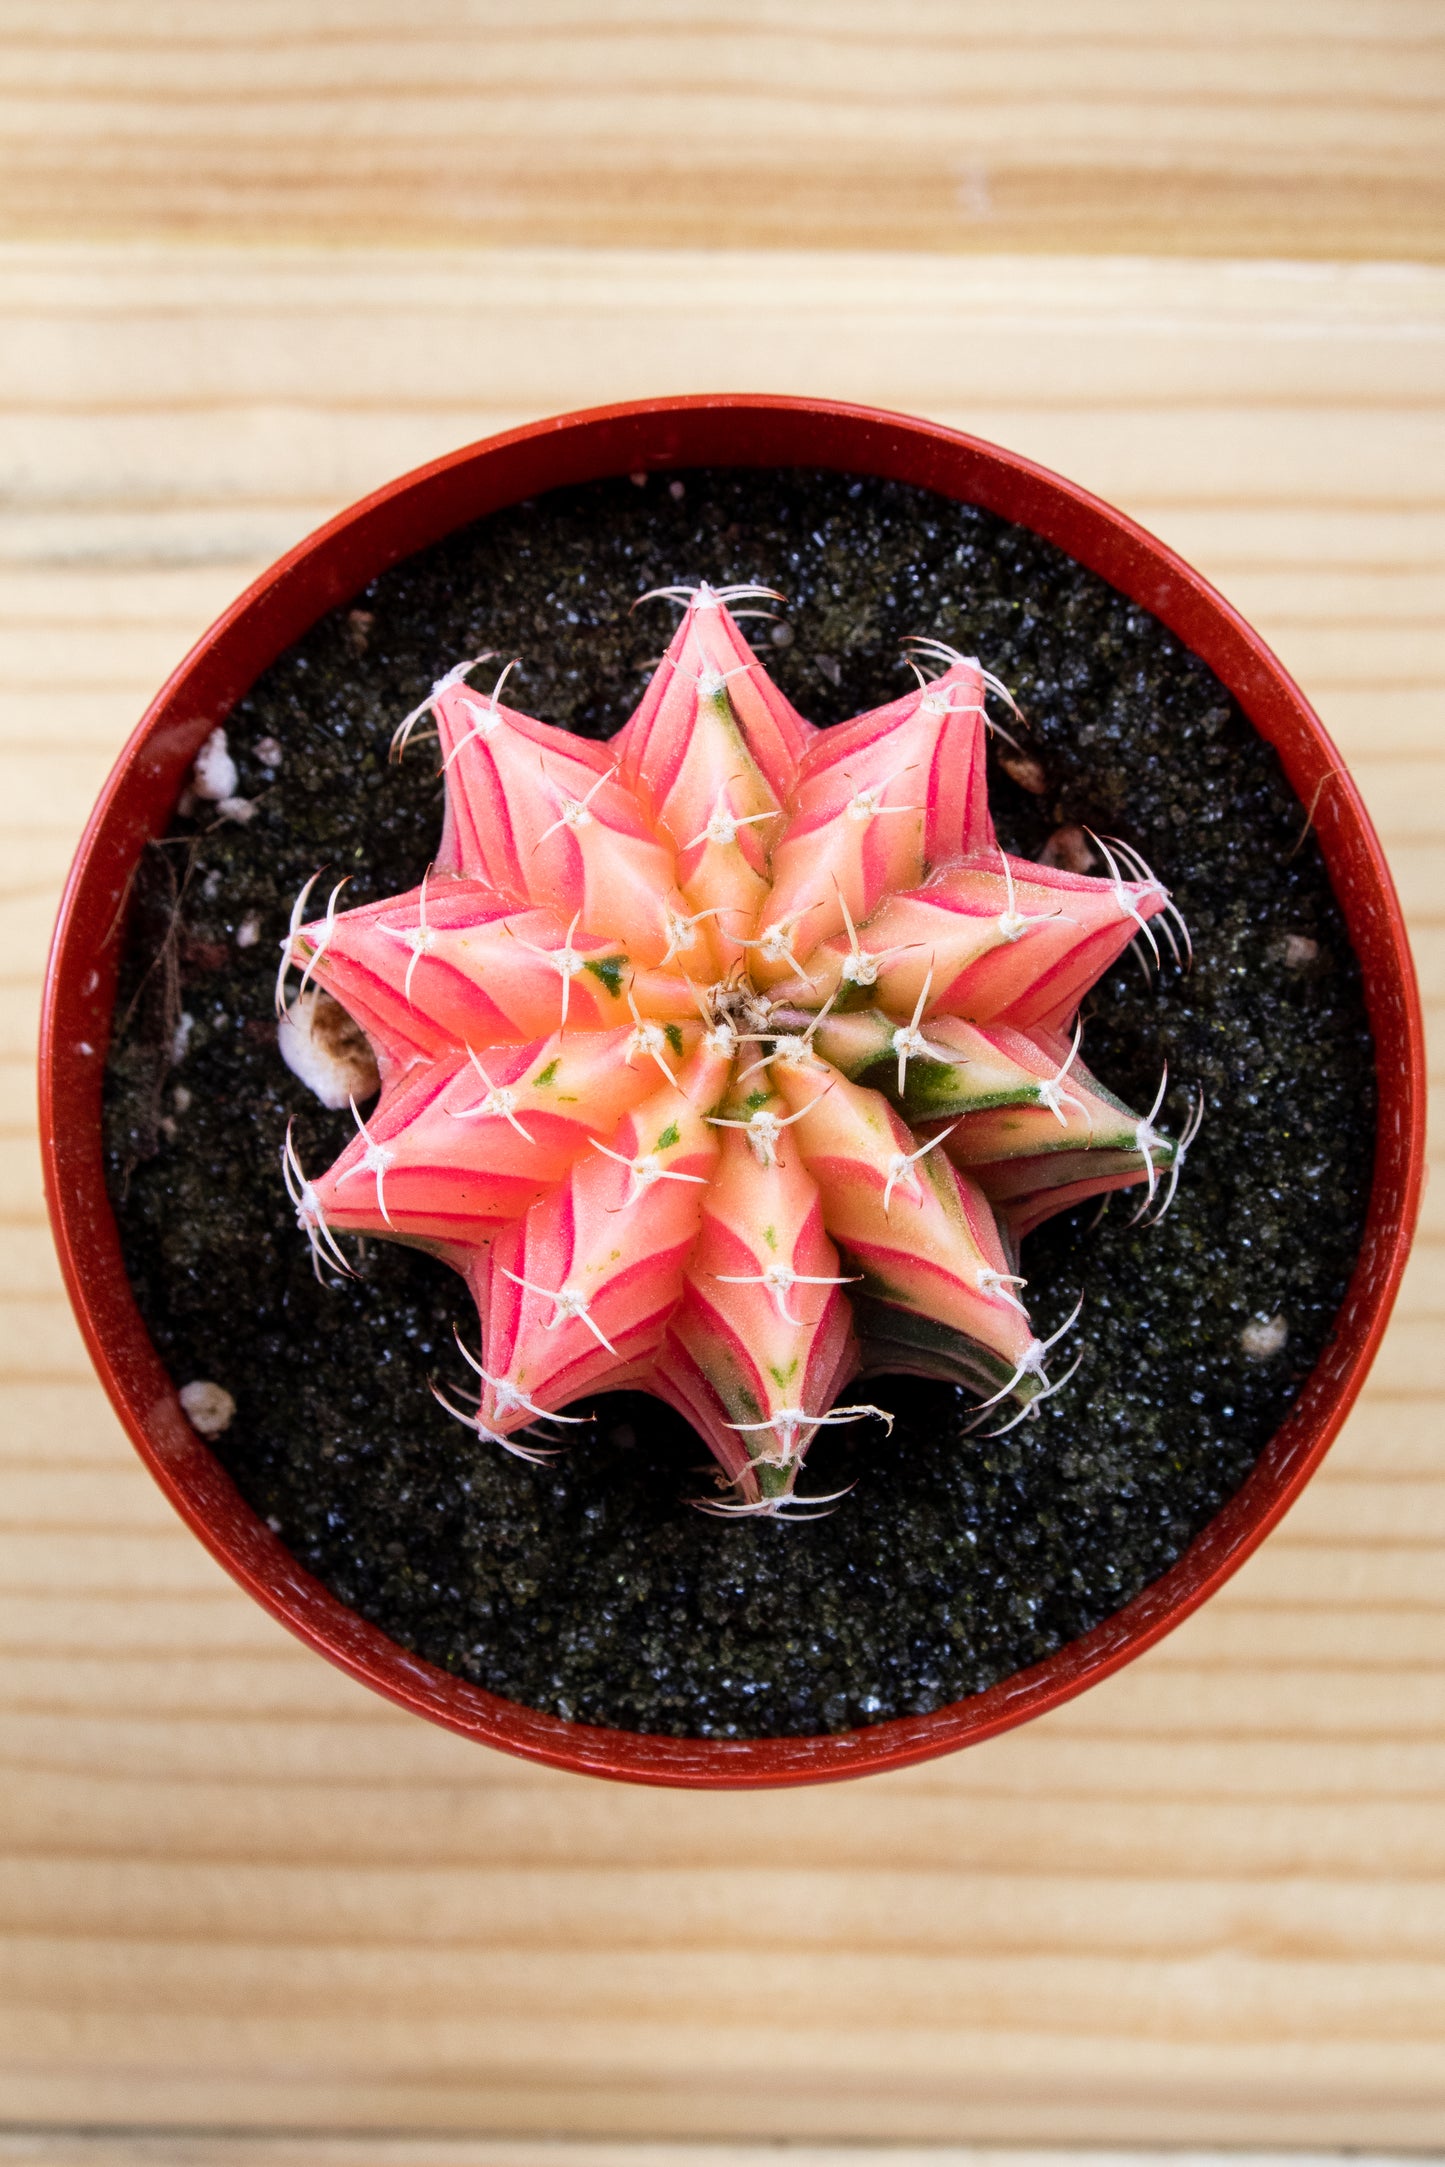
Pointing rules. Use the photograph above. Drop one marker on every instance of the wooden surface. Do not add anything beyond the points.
(1311, 128)
(1205, 1903)
(209, 2148)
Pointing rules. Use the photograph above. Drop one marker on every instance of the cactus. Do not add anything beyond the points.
(730, 1060)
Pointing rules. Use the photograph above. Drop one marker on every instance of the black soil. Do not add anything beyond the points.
(593, 1589)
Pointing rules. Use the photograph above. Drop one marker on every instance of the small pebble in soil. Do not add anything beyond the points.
(209, 1407)
(326, 1051)
(1070, 848)
(1022, 768)
(213, 775)
(1264, 1337)
(1297, 951)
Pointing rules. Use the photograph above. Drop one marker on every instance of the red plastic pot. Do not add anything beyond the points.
(331, 567)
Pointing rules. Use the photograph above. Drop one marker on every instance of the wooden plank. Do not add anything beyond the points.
(100, 2148)
(1257, 130)
(1201, 1905)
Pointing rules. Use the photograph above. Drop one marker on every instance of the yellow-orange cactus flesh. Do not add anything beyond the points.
(764, 1321)
(696, 768)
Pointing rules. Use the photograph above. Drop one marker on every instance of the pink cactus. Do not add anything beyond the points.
(728, 1060)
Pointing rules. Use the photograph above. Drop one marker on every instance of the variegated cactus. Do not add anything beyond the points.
(730, 1060)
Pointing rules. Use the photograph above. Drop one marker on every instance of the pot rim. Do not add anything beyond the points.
(332, 565)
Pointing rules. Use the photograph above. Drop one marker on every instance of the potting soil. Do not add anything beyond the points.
(591, 1588)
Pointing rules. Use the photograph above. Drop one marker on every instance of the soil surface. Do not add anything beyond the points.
(592, 1589)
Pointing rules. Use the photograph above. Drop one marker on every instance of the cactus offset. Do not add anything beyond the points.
(730, 1060)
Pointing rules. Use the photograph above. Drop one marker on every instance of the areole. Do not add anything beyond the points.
(328, 569)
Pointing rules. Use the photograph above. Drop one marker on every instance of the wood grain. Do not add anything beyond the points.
(1204, 1904)
(1255, 127)
(102, 2148)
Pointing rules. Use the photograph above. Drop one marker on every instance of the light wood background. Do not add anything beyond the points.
(245, 280)
(1248, 127)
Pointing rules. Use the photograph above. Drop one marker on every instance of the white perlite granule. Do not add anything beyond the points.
(1263, 1336)
(209, 1407)
(328, 1052)
(214, 774)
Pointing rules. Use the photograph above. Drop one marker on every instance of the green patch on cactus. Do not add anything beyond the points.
(609, 969)
(772, 1481)
(936, 1089)
(895, 1338)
